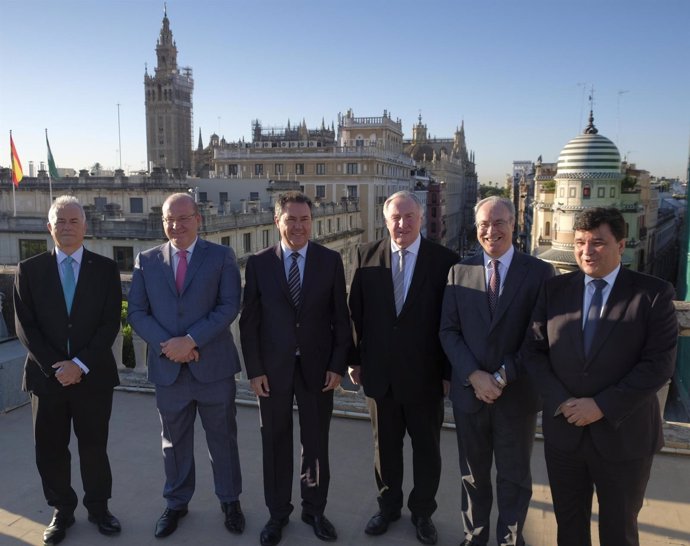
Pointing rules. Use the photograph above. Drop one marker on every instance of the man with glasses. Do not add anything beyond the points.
(486, 311)
(184, 296)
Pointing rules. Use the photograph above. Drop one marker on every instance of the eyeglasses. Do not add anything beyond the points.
(179, 220)
(498, 224)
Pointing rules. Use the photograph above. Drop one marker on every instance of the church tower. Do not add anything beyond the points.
(169, 108)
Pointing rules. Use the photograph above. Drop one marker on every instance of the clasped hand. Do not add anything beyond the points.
(180, 349)
(67, 373)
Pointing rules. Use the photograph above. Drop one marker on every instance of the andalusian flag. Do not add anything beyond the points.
(17, 173)
(52, 169)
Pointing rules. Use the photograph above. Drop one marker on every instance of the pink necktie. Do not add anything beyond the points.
(181, 270)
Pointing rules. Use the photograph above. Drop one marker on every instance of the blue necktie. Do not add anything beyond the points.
(399, 281)
(68, 282)
(593, 314)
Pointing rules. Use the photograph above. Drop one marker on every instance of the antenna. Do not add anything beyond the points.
(582, 103)
(119, 140)
(618, 114)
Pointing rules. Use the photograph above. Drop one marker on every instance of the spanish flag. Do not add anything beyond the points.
(17, 173)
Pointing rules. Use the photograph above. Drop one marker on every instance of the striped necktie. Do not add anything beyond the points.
(294, 283)
(399, 281)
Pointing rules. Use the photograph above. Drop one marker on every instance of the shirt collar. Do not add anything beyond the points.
(189, 249)
(412, 249)
(287, 251)
(76, 255)
(610, 278)
(505, 259)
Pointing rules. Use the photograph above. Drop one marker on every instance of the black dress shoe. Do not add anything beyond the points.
(167, 523)
(323, 528)
(234, 518)
(107, 523)
(378, 524)
(57, 530)
(426, 531)
(272, 532)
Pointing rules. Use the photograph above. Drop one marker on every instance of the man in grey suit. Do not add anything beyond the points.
(486, 310)
(184, 296)
(296, 335)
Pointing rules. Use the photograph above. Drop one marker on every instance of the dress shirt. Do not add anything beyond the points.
(287, 253)
(605, 293)
(410, 260)
(77, 257)
(503, 265)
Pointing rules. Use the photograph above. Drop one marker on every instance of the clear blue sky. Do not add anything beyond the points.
(514, 71)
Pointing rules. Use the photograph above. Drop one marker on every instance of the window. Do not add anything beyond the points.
(299, 168)
(31, 247)
(320, 192)
(330, 226)
(586, 191)
(319, 228)
(601, 192)
(99, 203)
(124, 256)
(278, 168)
(613, 191)
(233, 169)
(136, 205)
(572, 192)
(258, 169)
(225, 241)
(337, 223)
(547, 229)
(265, 238)
(203, 197)
(254, 195)
(223, 197)
(320, 168)
(561, 192)
(352, 192)
(247, 243)
(351, 168)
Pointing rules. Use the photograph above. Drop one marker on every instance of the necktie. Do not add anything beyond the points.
(399, 281)
(494, 286)
(68, 282)
(181, 272)
(593, 314)
(293, 279)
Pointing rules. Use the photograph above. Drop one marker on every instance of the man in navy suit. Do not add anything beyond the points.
(296, 334)
(395, 304)
(67, 304)
(486, 310)
(184, 296)
(601, 344)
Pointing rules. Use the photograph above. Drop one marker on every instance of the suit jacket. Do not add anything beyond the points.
(473, 340)
(271, 328)
(209, 302)
(633, 355)
(44, 327)
(402, 353)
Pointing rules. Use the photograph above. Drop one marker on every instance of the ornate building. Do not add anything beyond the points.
(169, 108)
(364, 164)
(447, 161)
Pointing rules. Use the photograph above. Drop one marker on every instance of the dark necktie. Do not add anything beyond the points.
(399, 281)
(293, 279)
(68, 282)
(593, 314)
(181, 270)
(494, 286)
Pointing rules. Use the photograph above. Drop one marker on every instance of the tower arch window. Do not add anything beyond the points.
(547, 229)
(586, 191)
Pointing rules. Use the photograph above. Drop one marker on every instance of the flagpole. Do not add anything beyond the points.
(50, 178)
(14, 199)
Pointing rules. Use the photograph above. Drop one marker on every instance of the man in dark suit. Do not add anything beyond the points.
(67, 304)
(486, 310)
(184, 296)
(395, 304)
(295, 334)
(601, 344)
